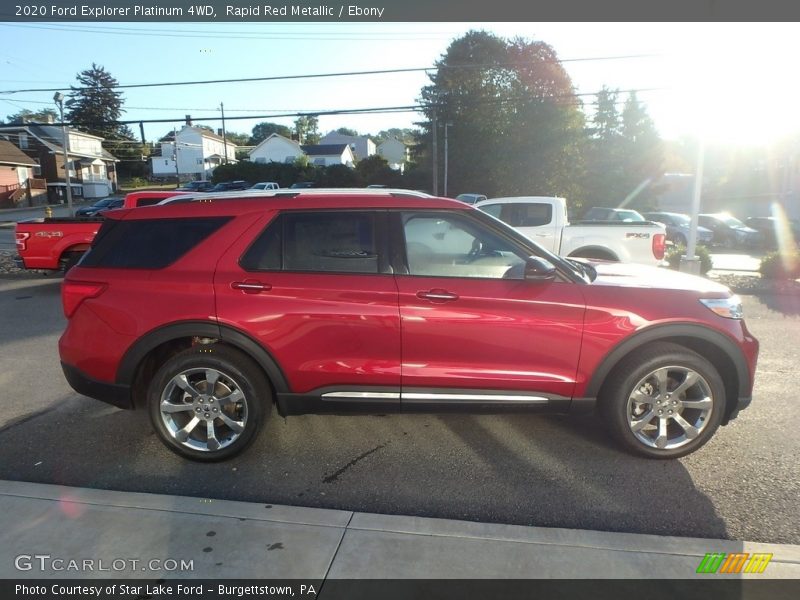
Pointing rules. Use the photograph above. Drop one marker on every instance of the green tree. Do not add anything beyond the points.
(513, 121)
(263, 130)
(39, 116)
(95, 107)
(643, 153)
(347, 131)
(307, 129)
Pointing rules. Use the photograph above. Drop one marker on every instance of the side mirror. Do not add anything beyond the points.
(539, 269)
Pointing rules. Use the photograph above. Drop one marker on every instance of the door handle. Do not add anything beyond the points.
(251, 287)
(437, 295)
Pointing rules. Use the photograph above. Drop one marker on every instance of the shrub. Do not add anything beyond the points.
(777, 265)
(674, 254)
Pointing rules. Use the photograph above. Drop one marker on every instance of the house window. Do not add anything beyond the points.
(166, 162)
(320, 162)
(96, 170)
(37, 171)
(23, 140)
(199, 161)
(289, 159)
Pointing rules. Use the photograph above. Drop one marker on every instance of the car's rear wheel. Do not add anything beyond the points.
(663, 402)
(208, 402)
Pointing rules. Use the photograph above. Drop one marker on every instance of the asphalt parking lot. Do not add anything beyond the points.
(520, 469)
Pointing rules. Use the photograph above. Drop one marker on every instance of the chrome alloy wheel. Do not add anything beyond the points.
(669, 407)
(203, 409)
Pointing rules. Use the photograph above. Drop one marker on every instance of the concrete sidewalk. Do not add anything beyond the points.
(226, 539)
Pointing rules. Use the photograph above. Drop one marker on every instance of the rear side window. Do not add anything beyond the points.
(526, 215)
(148, 243)
(340, 242)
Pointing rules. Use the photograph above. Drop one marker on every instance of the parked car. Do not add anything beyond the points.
(678, 226)
(59, 243)
(730, 232)
(99, 206)
(600, 213)
(229, 186)
(378, 303)
(471, 198)
(303, 185)
(196, 186)
(265, 185)
(544, 220)
(769, 227)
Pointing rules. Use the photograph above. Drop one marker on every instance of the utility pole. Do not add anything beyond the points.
(434, 127)
(446, 126)
(59, 100)
(175, 155)
(224, 135)
(691, 263)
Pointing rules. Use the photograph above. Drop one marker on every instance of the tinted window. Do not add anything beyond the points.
(148, 244)
(493, 209)
(527, 215)
(341, 242)
(450, 246)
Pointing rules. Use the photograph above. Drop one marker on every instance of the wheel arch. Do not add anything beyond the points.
(146, 354)
(714, 346)
(599, 252)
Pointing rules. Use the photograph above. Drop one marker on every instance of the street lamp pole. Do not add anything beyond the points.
(59, 100)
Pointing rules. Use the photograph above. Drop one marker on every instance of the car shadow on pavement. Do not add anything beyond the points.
(518, 469)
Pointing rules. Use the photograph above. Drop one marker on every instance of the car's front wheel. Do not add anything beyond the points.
(663, 402)
(207, 403)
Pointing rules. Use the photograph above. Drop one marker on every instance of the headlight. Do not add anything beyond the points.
(730, 308)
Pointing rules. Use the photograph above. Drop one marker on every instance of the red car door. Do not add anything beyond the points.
(472, 327)
(315, 290)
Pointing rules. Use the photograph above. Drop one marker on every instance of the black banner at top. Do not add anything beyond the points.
(270, 11)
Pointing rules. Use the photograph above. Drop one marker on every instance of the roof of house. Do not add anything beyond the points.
(51, 138)
(11, 155)
(325, 149)
(271, 137)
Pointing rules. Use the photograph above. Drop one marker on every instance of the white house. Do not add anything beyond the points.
(324, 155)
(395, 152)
(361, 145)
(276, 148)
(198, 153)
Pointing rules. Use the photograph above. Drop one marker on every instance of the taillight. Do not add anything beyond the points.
(659, 245)
(22, 240)
(75, 292)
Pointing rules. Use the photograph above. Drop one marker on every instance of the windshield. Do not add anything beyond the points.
(629, 215)
(731, 221)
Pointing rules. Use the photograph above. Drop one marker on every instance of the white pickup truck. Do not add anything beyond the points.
(544, 220)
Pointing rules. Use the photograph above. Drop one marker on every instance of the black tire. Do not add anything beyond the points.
(70, 259)
(700, 405)
(212, 409)
(680, 240)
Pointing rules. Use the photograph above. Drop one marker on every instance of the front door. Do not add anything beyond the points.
(472, 326)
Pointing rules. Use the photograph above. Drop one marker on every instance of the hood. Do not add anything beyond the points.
(745, 229)
(642, 276)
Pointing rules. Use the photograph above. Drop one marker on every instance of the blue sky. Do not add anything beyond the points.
(728, 82)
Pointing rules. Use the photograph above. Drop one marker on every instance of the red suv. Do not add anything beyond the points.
(206, 312)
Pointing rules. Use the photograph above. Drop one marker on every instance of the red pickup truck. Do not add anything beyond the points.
(59, 243)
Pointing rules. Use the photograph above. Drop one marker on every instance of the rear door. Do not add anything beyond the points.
(314, 288)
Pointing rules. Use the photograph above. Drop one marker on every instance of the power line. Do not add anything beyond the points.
(330, 75)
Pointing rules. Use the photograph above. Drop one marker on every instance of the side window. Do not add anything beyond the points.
(493, 209)
(332, 242)
(148, 243)
(443, 245)
(527, 214)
